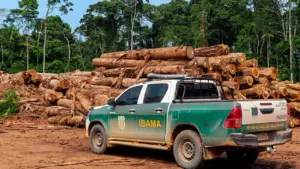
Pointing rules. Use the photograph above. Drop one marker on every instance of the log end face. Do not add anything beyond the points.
(190, 53)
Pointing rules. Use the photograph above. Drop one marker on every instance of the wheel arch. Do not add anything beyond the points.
(181, 127)
(94, 123)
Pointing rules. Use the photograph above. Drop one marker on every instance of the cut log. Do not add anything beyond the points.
(74, 120)
(295, 106)
(164, 70)
(80, 73)
(275, 94)
(115, 63)
(99, 100)
(282, 90)
(196, 73)
(56, 119)
(177, 52)
(231, 68)
(254, 72)
(270, 73)
(231, 84)
(212, 51)
(227, 92)
(110, 81)
(57, 111)
(294, 86)
(250, 63)
(216, 76)
(217, 61)
(266, 93)
(263, 80)
(239, 96)
(202, 62)
(293, 94)
(65, 103)
(255, 90)
(229, 78)
(244, 80)
(234, 58)
(36, 79)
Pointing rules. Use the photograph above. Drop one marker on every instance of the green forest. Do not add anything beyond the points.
(268, 30)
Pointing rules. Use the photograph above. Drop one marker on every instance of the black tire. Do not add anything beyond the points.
(242, 157)
(98, 139)
(188, 149)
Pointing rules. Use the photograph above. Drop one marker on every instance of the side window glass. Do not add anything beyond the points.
(197, 91)
(155, 93)
(130, 97)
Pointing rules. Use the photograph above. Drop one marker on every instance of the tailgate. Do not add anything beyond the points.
(263, 115)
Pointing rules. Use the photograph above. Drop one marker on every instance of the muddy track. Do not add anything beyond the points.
(31, 146)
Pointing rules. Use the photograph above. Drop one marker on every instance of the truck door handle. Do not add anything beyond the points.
(132, 111)
(158, 110)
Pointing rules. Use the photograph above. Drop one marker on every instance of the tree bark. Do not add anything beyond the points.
(65, 103)
(250, 72)
(291, 42)
(270, 73)
(232, 84)
(244, 80)
(250, 63)
(177, 52)
(202, 62)
(45, 40)
(27, 51)
(212, 51)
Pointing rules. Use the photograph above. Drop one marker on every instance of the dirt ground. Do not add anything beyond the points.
(28, 145)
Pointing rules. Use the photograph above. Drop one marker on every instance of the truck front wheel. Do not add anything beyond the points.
(243, 157)
(98, 139)
(188, 149)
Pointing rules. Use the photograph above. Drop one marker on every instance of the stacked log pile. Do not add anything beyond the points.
(125, 68)
(68, 97)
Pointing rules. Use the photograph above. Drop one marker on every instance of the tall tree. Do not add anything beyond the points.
(65, 7)
(25, 15)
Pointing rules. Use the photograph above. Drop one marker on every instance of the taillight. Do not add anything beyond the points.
(234, 119)
(288, 113)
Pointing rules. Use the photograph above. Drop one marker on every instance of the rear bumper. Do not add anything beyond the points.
(276, 138)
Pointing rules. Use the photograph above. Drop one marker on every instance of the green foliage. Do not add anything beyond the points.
(256, 27)
(9, 105)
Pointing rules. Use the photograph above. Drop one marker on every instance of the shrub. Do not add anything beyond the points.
(9, 105)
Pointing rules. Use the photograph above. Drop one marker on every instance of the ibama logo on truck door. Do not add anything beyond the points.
(121, 122)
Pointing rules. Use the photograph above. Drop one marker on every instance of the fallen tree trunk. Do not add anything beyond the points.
(111, 81)
(234, 58)
(217, 61)
(177, 52)
(212, 51)
(270, 73)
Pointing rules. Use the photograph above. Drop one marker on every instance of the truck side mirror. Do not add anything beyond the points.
(111, 102)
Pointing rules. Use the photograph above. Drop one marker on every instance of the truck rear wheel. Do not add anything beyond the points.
(243, 157)
(188, 149)
(98, 139)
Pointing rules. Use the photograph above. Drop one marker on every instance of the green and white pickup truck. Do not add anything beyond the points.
(191, 118)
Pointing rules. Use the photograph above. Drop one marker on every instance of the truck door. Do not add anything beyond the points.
(152, 118)
(123, 120)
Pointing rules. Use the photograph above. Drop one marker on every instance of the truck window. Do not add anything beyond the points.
(155, 93)
(130, 97)
(197, 91)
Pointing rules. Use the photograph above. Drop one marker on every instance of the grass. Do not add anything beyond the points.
(9, 105)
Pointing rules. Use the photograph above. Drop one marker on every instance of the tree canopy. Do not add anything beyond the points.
(260, 28)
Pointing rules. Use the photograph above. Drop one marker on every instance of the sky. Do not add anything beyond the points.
(73, 18)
